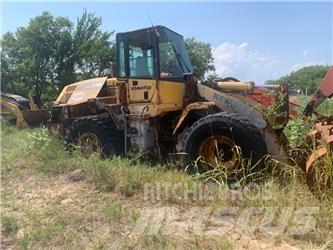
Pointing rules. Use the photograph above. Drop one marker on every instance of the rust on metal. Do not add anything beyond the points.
(80, 92)
(220, 151)
(322, 139)
(314, 157)
(236, 86)
(324, 91)
(190, 107)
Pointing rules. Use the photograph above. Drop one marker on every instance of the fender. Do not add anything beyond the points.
(250, 110)
(188, 109)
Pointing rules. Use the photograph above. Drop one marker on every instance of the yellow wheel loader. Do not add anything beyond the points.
(154, 103)
(24, 112)
(151, 101)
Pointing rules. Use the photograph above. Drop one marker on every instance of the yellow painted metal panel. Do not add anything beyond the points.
(112, 81)
(141, 90)
(171, 92)
(80, 92)
(169, 98)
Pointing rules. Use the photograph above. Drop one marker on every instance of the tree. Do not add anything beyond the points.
(91, 47)
(201, 57)
(306, 78)
(29, 54)
(51, 52)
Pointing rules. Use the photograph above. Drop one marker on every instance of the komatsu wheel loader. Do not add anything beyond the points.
(152, 102)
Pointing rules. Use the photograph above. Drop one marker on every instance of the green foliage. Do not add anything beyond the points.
(44, 234)
(304, 78)
(92, 50)
(9, 224)
(39, 139)
(117, 211)
(24, 243)
(275, 115)
(51, 52)
(47, 155)
(297, 130)
(326, 108)
(34, 147)
(55, 227)
(213, 76)
(322, 176)
(114, 210)
(224, 243)
(201, 57)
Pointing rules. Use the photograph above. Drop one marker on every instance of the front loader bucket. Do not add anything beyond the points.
(35, 118)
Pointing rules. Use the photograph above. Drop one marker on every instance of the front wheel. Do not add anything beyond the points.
(95, 134)
(223, 140)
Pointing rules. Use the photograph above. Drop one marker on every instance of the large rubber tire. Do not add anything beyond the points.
(244, 135)
(110, 139)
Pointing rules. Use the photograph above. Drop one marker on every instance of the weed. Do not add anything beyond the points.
(276, 113)
(152, 238)
(326, 108)
(283, 187)
(116, 211)
(38, 139)
(223, 243)
(320, 175)
(296, 131)
(45, 233)
(9, 224)
(24, 243)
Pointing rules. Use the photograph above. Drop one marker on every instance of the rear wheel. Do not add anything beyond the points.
(95, 134)
(223, 140)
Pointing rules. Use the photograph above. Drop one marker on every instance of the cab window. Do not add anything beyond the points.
(122, 63)
(169, 64)
(141, 62)
(174, 60)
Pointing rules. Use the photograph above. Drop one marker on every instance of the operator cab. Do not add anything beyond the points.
(153, 53)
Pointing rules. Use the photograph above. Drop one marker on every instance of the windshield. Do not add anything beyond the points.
(174, 60)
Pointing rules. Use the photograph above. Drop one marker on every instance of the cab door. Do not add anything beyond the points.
(141, 90)
(141, 82)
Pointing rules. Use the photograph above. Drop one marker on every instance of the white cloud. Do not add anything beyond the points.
(300, 65)
(305, 54)
(240, 61)
(306, 62)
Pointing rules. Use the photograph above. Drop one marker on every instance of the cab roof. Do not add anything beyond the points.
(158, 27)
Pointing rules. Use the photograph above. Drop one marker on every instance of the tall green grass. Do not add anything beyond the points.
(36, 150)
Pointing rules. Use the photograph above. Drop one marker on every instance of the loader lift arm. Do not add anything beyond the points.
(320, 137)
(324, 91)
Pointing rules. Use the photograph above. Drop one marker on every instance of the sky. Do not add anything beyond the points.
(250, 40)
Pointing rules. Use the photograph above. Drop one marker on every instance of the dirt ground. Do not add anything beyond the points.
(55, 212)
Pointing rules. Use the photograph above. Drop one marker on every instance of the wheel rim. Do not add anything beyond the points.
(89, 143)
(219, 151)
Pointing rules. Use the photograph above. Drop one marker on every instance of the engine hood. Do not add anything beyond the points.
(80, 92)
